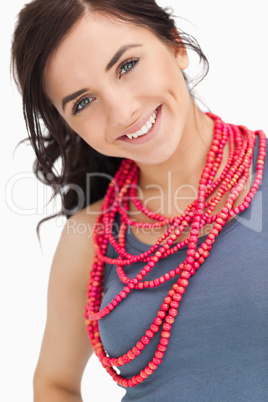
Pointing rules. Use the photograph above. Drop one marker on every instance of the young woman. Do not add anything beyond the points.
(172, 265)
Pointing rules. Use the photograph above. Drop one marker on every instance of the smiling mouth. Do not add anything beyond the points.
(145, 128)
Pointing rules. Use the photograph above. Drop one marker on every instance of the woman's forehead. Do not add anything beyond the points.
(97, 26)
(100, 37)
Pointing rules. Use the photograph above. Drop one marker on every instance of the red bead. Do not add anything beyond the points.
(158, 321)
(131, 355)
(148, 370)
(187, 267)
(134, 381)
(157, 361)
(162, 348)
(174, 304)
(201, 260)
(206, 254)
(143, 374)
(127, 289)
(191, 253)
(183, 282)
(126, 358)
(164, 341)
(121, 361)
(153, 366)
(154, 328)
(145, 340)
(196, 265)
(177, 297)
(167, 327)
(170, 319)
(173, 312)
(158, 354)
(125, 383)
(149, 333)
(139, 378)
(164, 306)
(140, 345)
(204, 246)
(167, 300)
(180, 289)
(136, 351)
(186, 275)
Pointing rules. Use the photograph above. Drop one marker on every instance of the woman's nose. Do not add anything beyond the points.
(122, 108)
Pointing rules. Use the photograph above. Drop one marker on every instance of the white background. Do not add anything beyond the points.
(233, 35)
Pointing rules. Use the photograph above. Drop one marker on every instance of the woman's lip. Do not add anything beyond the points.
(151, 133)
(136, 127)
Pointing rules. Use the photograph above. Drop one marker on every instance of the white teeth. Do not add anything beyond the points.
(145, 129)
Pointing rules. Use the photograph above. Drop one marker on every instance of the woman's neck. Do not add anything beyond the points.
(172, 184)
(188, 160)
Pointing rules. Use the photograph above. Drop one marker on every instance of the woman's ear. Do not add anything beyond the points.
(182, 57)
(180, 51)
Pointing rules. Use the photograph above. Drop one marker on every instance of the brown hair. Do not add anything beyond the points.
(41, 26)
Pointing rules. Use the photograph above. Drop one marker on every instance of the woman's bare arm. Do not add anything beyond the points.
(66, 348)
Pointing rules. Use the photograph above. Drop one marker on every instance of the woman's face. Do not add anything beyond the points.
(120, 88)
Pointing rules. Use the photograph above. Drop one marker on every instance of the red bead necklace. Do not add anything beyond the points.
(122, 188)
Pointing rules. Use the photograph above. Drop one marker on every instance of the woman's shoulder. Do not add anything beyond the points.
(78, 229)
(82, 223)
(75, 250)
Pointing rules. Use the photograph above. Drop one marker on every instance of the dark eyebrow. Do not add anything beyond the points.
(71, 97)
(118, 54)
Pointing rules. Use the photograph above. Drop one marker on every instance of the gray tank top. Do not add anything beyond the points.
(218, 349)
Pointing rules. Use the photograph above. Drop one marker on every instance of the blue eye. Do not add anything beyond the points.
(81, 105)
(128, 66)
